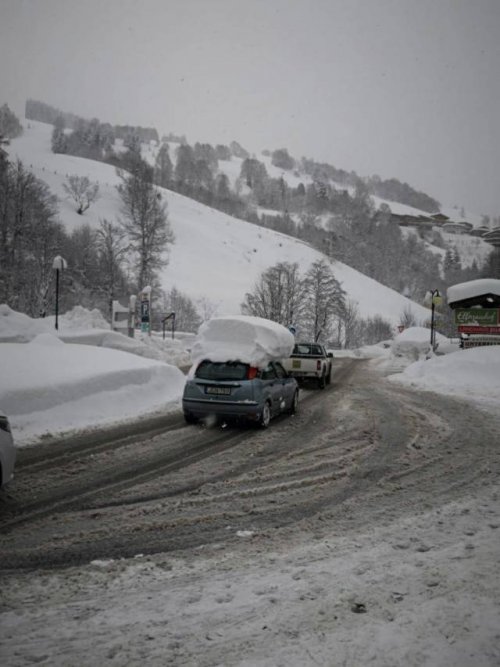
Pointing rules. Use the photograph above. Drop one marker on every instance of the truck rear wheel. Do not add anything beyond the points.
(322, 382)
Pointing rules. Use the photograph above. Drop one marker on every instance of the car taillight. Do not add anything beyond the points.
(318, 365)
(252, 373)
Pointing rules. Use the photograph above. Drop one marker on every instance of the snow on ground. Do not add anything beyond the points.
(418, 591)
(78, 378)
(83, 375)
(428, 585)
(215, 256)
(473, 374)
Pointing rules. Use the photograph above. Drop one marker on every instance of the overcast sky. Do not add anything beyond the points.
(403, 88)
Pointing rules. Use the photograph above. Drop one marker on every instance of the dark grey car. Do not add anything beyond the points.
(235, 390)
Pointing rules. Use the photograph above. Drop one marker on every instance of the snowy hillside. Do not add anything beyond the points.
(215, 256)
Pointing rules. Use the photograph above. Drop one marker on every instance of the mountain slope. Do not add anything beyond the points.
(215, 256)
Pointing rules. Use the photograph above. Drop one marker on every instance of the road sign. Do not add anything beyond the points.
(483, 317)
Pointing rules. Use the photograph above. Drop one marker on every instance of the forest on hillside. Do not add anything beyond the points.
(106, 263)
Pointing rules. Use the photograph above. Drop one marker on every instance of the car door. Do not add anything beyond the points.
(272, 387)
(287, 386)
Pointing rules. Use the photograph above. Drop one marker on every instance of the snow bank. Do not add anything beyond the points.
(414, 343)
(20, 328)
(82, 318)
(50, 386)
(253, 340)
(473, 374)
(88, 327)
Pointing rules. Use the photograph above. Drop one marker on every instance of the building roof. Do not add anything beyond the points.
(484, 292)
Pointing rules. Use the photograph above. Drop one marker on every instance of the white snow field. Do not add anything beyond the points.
(215, 256)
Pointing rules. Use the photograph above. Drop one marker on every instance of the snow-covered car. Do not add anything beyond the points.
(7, 451)
(237, 390)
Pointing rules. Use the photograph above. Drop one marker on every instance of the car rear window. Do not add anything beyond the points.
(227, 370)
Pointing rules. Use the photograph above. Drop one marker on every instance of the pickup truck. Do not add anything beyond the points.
(310, 361)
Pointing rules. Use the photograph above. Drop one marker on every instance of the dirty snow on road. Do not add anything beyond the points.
(413, 587)
(420, 591)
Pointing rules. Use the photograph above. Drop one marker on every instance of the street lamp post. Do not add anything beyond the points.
(58, 265)
(435, 301)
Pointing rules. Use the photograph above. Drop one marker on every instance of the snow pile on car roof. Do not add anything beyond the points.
(252, 340)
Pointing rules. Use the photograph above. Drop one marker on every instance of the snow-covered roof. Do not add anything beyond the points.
(475, 289)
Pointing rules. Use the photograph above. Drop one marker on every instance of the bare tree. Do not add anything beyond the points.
(30, 236)
(206, 308)
(112, 251)
(325, 300)
(407, 318)
(145, 222)
(82, 191)
(348, 327)
(278, 295)
(187, 317)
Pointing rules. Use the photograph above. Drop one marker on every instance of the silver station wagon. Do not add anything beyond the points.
(235, 390)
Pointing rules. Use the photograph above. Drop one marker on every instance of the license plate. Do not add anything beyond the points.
(225, 391)
(295, 363)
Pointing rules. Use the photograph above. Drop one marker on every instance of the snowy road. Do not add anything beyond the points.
(361, 452)
(263, 546)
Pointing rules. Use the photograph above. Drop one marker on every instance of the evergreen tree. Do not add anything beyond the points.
(185, 168)
(10, 126)
(163, 167)
(59, 142)
(281, 159)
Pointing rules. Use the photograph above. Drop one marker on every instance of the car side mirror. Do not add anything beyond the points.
(329, 354)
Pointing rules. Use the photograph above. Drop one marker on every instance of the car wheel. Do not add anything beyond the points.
(265, 417)
(189, 419)
(295, 403)
(329, 377)
(322, 382)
